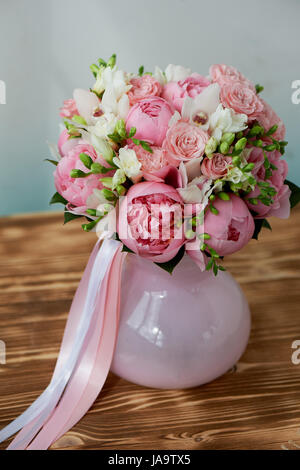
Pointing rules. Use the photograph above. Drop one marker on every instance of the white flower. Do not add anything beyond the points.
(159, 76)
(118, 178)
(226, 120)
(206, 103)
(174, 73)
(115, 85)
(104, 125)
(128, 162)
(198, 190)
(86, 103)
(215, 118)
(102, 147)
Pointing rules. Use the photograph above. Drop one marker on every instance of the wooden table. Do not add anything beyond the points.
(254, 406)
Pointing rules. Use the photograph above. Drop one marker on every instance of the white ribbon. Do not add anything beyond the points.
(49, 398)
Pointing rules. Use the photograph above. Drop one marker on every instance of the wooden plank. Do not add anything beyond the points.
(255, 406)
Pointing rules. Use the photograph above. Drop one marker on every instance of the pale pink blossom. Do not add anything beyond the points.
(242, 99)
(216, 166)
(185, 142)
(142, 88)
(69, 109)
(151, 118)
(176, 92)
(222, 73)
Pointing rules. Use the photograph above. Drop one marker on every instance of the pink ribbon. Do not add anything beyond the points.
(88, 376)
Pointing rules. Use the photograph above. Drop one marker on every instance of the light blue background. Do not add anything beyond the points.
(46, 48)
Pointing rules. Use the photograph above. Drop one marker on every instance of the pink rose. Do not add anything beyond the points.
(176, 92)
(151, 118)
(142, 88)
(216, 166)
(69, 109)
(147, 221)
(269, 118)
(76, 190)
(240, 98)
(281, 205)
(184, 142)
(232, 228)
(221, 73)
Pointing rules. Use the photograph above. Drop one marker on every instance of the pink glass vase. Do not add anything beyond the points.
(180, 330)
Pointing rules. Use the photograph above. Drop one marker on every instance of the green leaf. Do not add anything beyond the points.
(258, 226)
(170, 265)
(86, 160)
(68, 217)
(146, 146)
(54, 162)
(266, 224)
(126, 249)
(259, 88)
(295, 193)
(79, 119)
(58, 199)
(132, 132)
(141, 70)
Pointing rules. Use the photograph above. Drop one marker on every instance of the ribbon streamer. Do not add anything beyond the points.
(85, 355)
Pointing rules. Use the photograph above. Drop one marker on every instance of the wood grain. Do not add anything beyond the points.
(254, 406)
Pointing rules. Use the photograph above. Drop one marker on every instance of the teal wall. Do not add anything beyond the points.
(46, 48)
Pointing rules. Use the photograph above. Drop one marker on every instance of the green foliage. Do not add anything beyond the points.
(295, 193)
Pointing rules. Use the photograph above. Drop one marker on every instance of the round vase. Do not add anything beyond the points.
(180, 330)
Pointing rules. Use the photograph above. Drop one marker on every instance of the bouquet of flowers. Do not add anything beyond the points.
(159, 164)
(198, 158)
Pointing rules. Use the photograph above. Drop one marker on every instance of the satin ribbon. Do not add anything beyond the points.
(85, 355)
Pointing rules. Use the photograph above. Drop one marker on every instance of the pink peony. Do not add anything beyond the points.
(151, 118)
(269, 118)
(240, 98)
(221, 74)
(76, 190)
(176, 92)
(184, 142)
(147, 221)
(69, 109)
(232, 228)
(142, 88)
(216, 166)
(281, 205)
(65, 144)
(151, 162)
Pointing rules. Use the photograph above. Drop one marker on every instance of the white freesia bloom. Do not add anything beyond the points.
(104, 125)
(174, 73)
(118, 178)
(115, 85)
(96, 199)
(102, 147)
(159, 75)
(226, 120)
(128, 162)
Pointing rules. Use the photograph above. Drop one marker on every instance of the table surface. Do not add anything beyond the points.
(254, 406)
